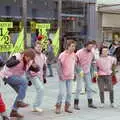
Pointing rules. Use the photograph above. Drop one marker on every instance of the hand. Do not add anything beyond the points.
(44, 81)
(29, 83)
(60, 77)
(96, 74)
(81, 74)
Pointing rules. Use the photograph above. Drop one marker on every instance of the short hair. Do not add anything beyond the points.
(94, 42)
(103, 47)
(37, 43)
(69, 42)
(50, 40)
(29, 53)
(88, 43)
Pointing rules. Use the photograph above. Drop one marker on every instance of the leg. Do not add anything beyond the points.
(39, 90)
(101, 85)
(88, 83)
(110, 88)
(50, 70)
(60, 96)
(20, 86)
(78, 89)
(68, 96)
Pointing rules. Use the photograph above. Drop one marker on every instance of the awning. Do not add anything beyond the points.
(114, 8)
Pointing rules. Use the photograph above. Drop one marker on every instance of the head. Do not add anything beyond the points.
(94, 43)
(104, 51)
(28, 55)
(89, 45)
(37, 47)
(70, 45)
(49, 41)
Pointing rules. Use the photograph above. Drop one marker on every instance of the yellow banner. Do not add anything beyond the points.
(5, 40)
(43, 28)
(55, 42)
(19, 45)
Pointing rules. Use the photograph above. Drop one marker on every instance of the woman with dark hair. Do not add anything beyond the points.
(14, 75)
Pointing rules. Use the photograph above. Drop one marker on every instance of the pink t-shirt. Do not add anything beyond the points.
(104, 65)
(16, 70)
(40, 60)
(68, 64)
(84, 59)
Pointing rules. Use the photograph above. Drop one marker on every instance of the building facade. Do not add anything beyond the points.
(108, 23)
(78, 16)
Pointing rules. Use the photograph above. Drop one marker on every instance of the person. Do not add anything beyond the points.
(13, 74)
(38, 77)
(50, 57)
(117, 54)
(84, 60)
(3, 109)
(112, 48)
(104, 65)
(66, 64)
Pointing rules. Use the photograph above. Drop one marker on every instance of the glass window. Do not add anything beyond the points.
(34, 12)
(7, 10)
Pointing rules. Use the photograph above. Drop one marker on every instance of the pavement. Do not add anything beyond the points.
(51, 91)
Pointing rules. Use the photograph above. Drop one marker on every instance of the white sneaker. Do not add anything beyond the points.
(36, 109)
(102, 105)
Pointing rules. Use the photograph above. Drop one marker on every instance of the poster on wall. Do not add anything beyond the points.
(43, 30)
(5, 39)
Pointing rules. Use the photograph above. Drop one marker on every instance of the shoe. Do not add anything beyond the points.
(14, 113)
(82, 92)
(102, 105)
(36, 109)
(90, 104)
(58, 108)
(5, 118)
(21, 104)
(113, 105)
(50, 75)
(68, 108)
(76, 104)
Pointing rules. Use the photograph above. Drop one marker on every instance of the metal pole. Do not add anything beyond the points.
(60, 21)
(24, 19)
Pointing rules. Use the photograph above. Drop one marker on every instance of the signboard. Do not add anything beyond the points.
(43, 28)
(5, 40)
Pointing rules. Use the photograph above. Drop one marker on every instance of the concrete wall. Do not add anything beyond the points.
(111, 20)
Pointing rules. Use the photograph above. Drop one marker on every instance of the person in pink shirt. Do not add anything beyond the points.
(38, 77)
(66, 64)
(13, 75)
(104, 65)
(84, 60)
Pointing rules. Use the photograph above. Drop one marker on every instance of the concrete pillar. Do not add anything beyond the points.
(91, 21)
(99, 27)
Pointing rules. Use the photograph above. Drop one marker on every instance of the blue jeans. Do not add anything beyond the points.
(88, 85)
(65, 86)
(50, 69)
(38, 84)
(19, 84)
(78, 85)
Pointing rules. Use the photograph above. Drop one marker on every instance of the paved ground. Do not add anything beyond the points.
(51, 90)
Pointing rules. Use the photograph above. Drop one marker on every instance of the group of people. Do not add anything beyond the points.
(22, 70)
(71, 65)
(29, 68)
